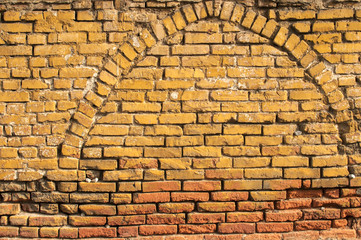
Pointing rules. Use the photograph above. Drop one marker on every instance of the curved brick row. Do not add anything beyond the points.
(129, 52)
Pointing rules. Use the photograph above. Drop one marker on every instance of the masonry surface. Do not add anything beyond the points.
(180, 120)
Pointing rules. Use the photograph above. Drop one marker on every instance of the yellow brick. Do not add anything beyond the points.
(268, 195)
(128, 51)
(279, 106)
(200, 106)
(15, 50)
(302, 27)
(323, 26)
(214, 163)
(201, 61)
(251, 162)
(230, 50)
(269, 28)
(226, 11)
(109, 130)
(189, 13)
(297, 14)
(263, 140)
(335, 13)
(302, 173)
(196, 38)
(332, 183)
(224, 140)
(279, 129)
(335, 172)
(319, 149)
(122, 152)
(169, 61)
(167, 130)
(202, 151)
(146, 119)
(241, 151)
(175, 163)
(185, 174)
(242, 184)
(256, 117)
(141, 107)
(144, 141)
(135, 84)
(263, 173)
(305, 95)
(255, 61)
(224, 118)
(163, 152)
(290, 161)
(246, 72)
(14, 97)
(259, 23)
(329, 161)
(178, 118)
(134, 174)
(320, 128)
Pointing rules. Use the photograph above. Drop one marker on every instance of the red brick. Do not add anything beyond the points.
(68, 233)
(176, 207)
(352, 212)
(303, 235)
(244, 216)
(157, 229)
(201, 185)
(166, 219)
(151, 197)
(313, 193)
(126, 220)
(355, 201)
(87, 221)
(92, 209)
(254, 206)
(312, 225)
(339, 234)
(274, 227)
(161, 186)
(136, 209)
(206, 217)
(294, 203)
(236, 228)
(332, 193)
(283, 216)
(327, 213)
(189, 196)
(264, 236)
(192, 229)
(90, 232)
(339, 223)
(229, 196)
(129, 231)
(216, 206)
(324, 202)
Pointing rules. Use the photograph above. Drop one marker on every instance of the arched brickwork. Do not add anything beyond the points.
(132, 50)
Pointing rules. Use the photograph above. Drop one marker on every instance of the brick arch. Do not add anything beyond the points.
(122, 61)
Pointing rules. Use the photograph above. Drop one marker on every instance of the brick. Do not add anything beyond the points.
(87, 221)
(97, 232)
(245, 217)
(193, 229)
(236, 228)
(283, 216)
(166, 219)
(274, 227)
(206, 217)
(176, 207)
(189, 196)
(312, 225)
(157, 229)
(201, 186)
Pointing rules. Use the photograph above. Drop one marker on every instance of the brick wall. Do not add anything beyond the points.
(197, 120)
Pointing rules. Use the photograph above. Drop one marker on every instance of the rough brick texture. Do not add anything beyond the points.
(189, 119)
